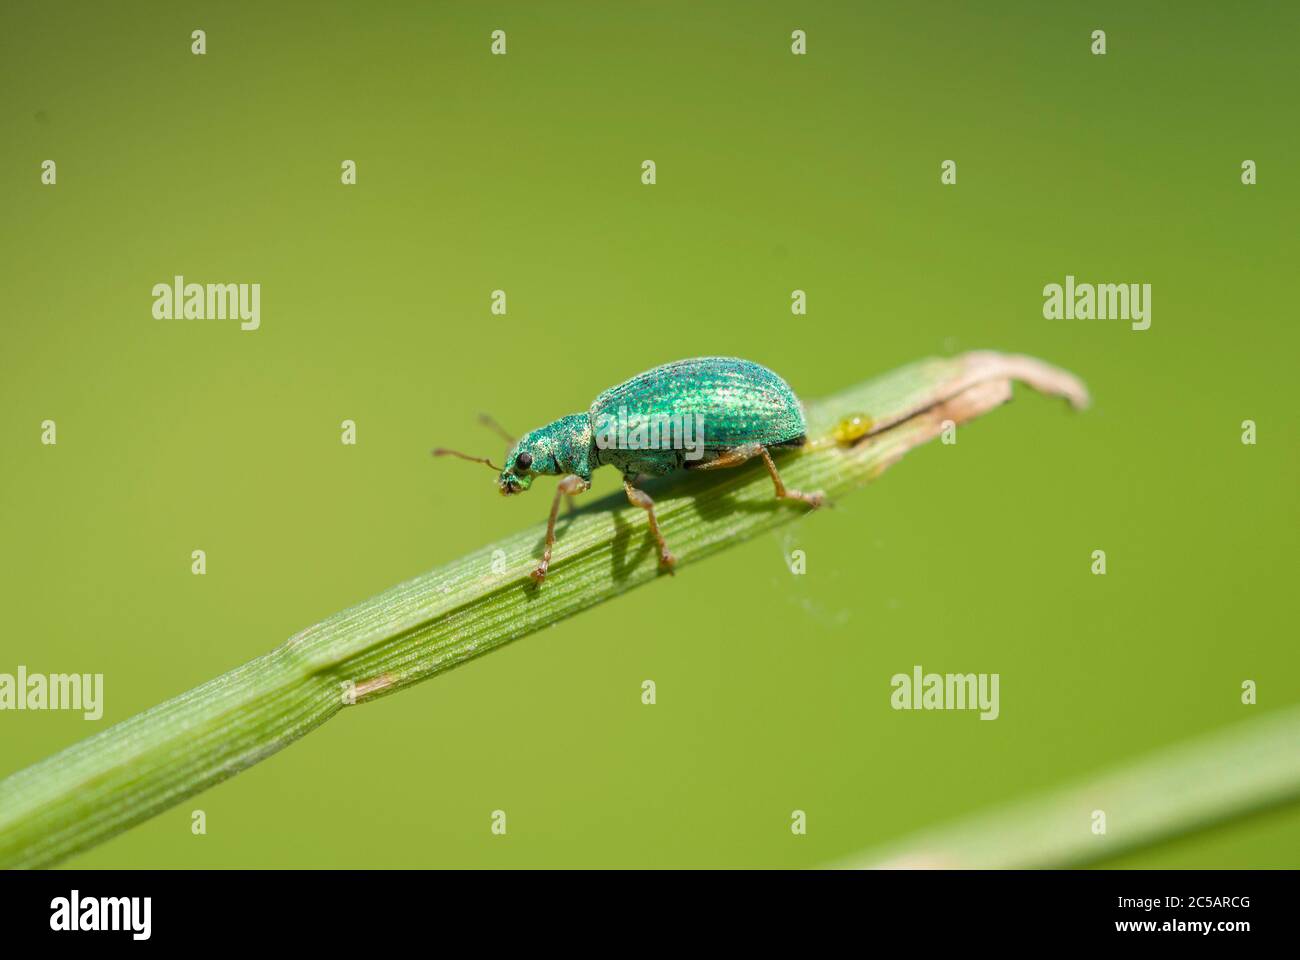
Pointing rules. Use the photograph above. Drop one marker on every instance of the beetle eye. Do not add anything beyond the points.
(524, 460)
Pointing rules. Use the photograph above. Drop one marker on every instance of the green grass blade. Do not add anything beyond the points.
(1250, 767)
(143, 765)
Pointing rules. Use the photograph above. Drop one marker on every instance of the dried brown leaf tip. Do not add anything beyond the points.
(366, 687)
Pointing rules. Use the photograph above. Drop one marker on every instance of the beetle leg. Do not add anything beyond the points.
(814, 499)
(570, 485)
(639, 498)
(747, 451)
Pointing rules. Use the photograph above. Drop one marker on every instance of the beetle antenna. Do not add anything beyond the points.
(444, 452)
(488, 421)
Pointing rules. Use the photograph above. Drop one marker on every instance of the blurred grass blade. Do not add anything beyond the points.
(1247, 768)
(133, 770)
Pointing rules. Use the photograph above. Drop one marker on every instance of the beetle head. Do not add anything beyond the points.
(536, 453)
(559, 447)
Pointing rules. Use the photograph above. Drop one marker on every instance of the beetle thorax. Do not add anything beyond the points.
(573, 443)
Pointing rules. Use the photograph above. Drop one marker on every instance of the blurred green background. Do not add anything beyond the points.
(775, 172)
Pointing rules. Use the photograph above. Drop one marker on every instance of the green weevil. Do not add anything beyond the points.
(700, 414)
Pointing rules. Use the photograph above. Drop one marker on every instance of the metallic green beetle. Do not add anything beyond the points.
(701, 414)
